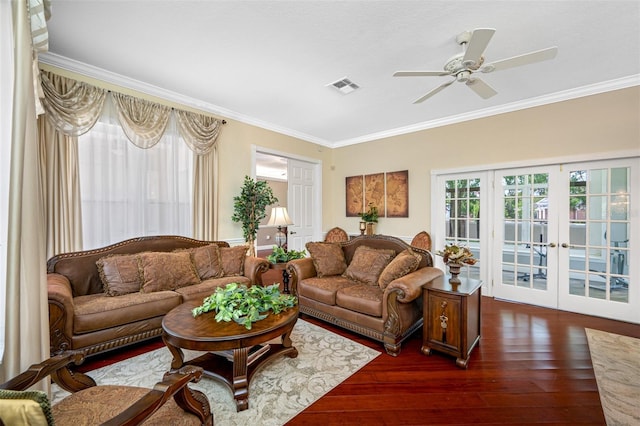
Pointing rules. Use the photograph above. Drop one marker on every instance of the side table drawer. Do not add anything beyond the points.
(444, 323)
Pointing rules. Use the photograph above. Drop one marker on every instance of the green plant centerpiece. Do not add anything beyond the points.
(245, 305)
(371, 215)
(249, 208)
(280, 255)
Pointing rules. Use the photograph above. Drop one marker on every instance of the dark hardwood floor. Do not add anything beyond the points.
(532, 366)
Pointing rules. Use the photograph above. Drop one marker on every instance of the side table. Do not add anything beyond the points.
(285, 275)
(451, 317)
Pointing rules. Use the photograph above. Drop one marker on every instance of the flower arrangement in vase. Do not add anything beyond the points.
(456, 257)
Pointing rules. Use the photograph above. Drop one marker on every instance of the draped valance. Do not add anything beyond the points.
(199, 131)
(143, 122)
(74, 107)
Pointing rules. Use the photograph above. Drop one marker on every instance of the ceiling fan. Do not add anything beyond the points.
(463, 65)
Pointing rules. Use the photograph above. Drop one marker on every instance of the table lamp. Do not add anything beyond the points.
(280, 217)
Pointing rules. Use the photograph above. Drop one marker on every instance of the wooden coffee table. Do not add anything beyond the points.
(234, 354)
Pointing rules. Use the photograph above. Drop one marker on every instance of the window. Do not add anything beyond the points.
(128, 192)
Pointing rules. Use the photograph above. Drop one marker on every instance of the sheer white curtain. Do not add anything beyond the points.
(128, 191)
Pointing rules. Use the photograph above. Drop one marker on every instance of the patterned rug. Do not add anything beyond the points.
(280, 390)
(616, 364)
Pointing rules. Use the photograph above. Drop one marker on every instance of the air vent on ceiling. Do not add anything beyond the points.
(344, 85)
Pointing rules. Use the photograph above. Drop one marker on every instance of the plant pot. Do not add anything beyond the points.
(370, 228)
(454, 270)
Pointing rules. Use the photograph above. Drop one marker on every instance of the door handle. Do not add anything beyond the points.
(564, 245)
(292, 232)
(552, 245)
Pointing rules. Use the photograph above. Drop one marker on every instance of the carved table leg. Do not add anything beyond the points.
(178, 355)
(287, 343)
(240, 381)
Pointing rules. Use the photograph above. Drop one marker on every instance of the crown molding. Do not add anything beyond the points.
(593, 89)
(149, 89)
(129, 83)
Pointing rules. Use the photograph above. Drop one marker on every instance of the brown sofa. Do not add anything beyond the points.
(371, 285)
(145, 279)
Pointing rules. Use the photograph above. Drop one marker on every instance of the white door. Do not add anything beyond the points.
(302, 203)
(599, 236)
(565, 235)
(526, 232)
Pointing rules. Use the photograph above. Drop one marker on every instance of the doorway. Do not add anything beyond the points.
(301, 180)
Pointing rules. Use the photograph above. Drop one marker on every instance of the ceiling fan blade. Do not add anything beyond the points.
(420, 73)
(481, 88)
(433, 92)
(525, 59)
(479, 40)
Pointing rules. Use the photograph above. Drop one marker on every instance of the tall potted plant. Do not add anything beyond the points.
(249, 208)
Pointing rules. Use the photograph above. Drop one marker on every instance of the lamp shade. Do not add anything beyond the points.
(279, 217)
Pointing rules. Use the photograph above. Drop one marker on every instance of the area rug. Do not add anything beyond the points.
(280, 390)
(616, 364)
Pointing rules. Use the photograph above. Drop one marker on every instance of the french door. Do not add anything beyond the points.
(465, 213)
(564, 237)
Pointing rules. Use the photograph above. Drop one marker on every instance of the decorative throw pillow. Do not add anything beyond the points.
(404, 263)
(367, 264)
(207, 261)
(328, 258)
(167, 271)
(25, 407)
(232, 259)
(120, 274)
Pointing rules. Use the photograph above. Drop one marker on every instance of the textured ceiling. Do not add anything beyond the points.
(268, 63)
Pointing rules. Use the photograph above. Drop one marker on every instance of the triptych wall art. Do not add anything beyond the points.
(388, 191)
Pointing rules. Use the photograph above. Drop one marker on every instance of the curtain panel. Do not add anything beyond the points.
(26, 338)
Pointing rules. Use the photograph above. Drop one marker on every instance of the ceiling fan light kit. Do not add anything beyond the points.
(471, 60)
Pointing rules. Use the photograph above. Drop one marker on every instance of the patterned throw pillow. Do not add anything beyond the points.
(167, 271)
(232, 259)
(207, 261)
(404, 263)
(328, 258)
(25, 407)
(367, 264)
(120, 274)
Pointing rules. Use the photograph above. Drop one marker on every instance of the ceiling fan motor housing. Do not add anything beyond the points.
(455, 65)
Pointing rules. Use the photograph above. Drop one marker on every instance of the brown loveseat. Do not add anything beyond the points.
(145, 278)
(371, 285)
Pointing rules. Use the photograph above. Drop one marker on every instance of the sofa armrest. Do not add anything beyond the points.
(61, 312)
(300, 269)
(254, 267)
(410, 285)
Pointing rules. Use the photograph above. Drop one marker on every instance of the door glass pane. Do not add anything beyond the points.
(599, 240)
(525, 212)
(597, 208)
(463, 218)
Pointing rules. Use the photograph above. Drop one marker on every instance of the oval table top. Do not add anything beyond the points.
(204, 333)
